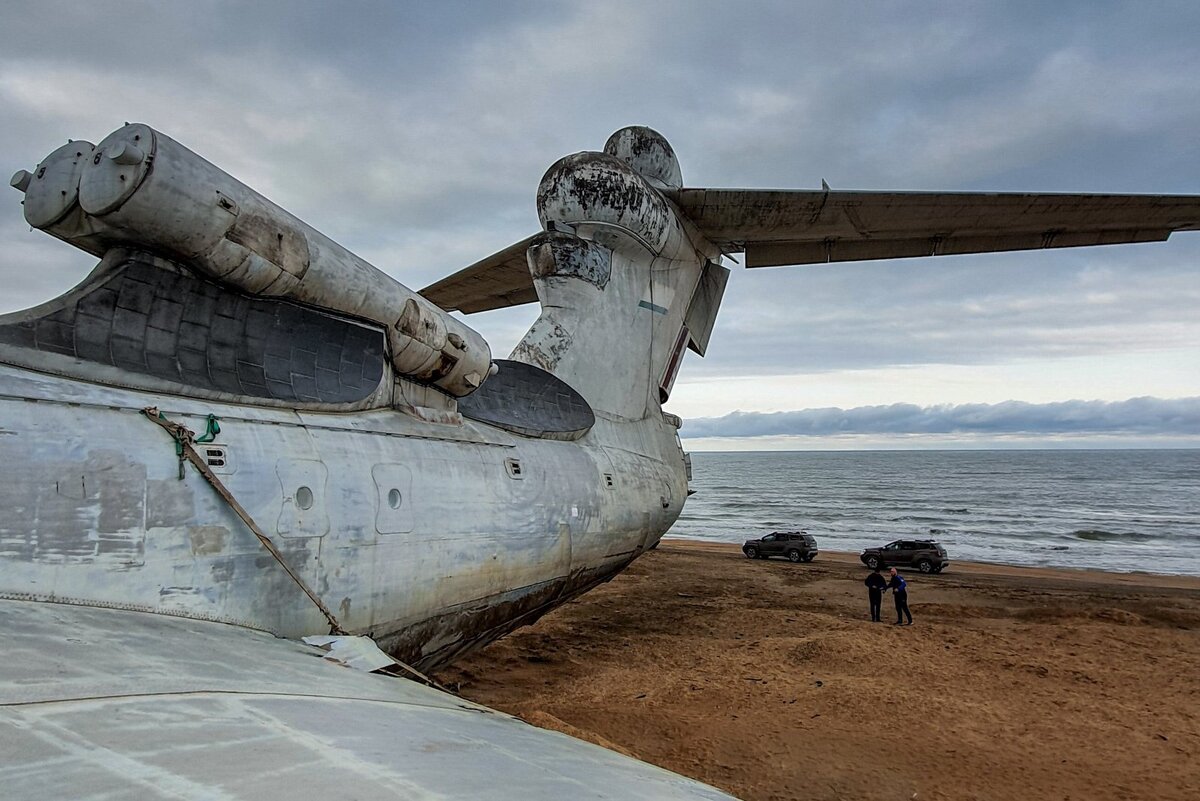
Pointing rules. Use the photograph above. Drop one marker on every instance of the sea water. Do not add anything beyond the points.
(1117, 510)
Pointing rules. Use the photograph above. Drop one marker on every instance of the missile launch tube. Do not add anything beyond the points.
(140, 187)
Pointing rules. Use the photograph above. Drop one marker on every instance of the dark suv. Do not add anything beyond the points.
(798, 546)
(926, 555)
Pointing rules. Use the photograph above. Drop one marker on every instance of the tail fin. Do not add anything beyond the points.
(625, 287)
(614, 325)
(624, 280)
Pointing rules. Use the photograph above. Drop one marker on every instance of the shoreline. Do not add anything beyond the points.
(767, 679)
(1138, 578)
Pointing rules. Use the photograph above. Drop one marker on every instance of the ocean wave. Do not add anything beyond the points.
(1100, 535)
(1134, 511)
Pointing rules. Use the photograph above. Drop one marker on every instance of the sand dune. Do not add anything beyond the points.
(768, 680)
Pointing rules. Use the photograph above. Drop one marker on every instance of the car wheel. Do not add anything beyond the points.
(939, 568)
(794, 555)
(808, 557)
(925, 566)
(872, 562)
(751, 552)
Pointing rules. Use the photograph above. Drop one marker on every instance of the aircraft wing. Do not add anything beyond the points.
(808, 227)
(107, 704)
(500, 280)
(778, 227)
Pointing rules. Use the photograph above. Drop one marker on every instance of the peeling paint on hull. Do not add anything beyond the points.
(471, 552)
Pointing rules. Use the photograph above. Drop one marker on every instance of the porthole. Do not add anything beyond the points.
(394, 498)
(304, 498)
(513, 466)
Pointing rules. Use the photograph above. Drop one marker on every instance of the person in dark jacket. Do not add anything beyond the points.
(899, 589)
(876, 584)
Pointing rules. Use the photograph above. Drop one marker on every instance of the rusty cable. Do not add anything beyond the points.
(184, 438)
(183, 448)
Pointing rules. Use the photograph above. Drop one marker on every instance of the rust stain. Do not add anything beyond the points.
(207, 540)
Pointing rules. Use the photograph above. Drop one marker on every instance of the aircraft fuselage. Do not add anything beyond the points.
(431, 538)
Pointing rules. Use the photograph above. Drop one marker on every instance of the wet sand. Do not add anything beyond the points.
(768, 680)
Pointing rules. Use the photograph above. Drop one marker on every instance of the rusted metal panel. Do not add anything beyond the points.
(605, 199)
(567, 256)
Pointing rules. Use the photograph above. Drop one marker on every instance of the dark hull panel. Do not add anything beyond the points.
(151, 317)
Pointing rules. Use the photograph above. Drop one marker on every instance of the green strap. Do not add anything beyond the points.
(184, 436)
(211, 429)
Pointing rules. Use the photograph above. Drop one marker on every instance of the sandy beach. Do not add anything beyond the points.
(768, 680)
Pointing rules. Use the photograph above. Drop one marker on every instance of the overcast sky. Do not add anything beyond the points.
(415, 134)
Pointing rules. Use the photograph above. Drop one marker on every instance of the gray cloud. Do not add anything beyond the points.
(1136, 416)
(415, 134)
(965, 310)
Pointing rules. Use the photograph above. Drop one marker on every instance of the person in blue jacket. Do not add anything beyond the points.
(876, 584)
(899, 588)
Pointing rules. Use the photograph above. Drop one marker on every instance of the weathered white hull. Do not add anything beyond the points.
(416, 533)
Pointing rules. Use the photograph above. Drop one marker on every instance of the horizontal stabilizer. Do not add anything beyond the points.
(495, 282)
(806, 227)
(778, 227)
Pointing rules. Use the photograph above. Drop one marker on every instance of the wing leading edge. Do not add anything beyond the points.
(780, 227)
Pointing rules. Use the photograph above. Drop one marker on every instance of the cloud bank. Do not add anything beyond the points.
(1136, 416)
(416, 134)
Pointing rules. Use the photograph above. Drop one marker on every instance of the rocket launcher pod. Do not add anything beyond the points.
(141, 188)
